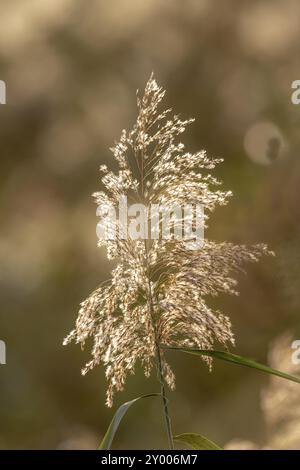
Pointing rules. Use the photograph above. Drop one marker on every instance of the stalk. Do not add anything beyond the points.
(164, 399)
(160, 374)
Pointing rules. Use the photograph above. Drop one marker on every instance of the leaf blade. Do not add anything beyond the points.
(115, 422)
(197, 441)
(239, 360)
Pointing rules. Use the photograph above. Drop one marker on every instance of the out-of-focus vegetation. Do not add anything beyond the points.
(71, 68)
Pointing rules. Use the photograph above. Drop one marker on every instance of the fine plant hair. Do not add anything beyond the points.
(158, 291)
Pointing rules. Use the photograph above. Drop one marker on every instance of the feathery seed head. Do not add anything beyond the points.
(157, 293)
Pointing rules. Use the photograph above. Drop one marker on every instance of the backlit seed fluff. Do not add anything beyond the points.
(158, 291)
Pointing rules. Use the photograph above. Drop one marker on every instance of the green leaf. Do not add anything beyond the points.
(235, 359)
(115, 422)
(196, 441)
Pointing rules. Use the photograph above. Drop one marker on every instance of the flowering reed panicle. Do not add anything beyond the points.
(157, 295)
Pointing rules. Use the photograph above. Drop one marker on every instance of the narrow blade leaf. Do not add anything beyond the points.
(235, 359)
(197, 442)
(115, 422)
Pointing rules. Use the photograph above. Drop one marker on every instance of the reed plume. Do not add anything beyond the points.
(158, 291)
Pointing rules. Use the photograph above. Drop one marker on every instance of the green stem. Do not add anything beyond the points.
(160, 374)
(164, 399)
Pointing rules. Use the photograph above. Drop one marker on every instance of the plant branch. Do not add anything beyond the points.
(160, 372)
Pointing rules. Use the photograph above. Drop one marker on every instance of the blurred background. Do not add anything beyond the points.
(71, 69)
